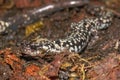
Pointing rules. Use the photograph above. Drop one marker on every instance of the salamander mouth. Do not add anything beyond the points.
(32, 52)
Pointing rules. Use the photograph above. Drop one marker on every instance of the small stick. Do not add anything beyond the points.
(33, 15)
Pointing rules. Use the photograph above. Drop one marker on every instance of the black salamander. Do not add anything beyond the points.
(79, 36)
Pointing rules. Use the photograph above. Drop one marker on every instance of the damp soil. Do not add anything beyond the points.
(15, 65)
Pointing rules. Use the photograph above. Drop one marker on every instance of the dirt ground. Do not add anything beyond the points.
(99, 61)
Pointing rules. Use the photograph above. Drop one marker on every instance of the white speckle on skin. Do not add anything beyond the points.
(80, 34)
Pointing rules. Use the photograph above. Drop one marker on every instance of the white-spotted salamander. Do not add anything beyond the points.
(79, 37)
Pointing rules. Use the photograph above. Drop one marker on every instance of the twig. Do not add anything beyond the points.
(34, 15)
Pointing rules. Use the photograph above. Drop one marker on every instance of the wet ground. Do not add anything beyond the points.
(102, 56)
